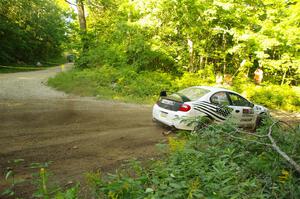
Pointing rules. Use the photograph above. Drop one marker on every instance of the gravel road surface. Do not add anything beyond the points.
(76, 134)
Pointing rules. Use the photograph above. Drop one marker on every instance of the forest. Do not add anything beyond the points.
(31, 31)
(192, 38)
(130, 50)
(208, 37)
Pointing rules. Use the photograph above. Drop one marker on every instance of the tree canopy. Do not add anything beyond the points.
(32, 30)
(176, 36)
(226, 36)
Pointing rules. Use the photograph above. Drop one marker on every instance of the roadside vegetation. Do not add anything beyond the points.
(127, 85)
(138, 48)
(130, 50)
(215, 162)
(32, 32)
(219, 161)
(14, 68)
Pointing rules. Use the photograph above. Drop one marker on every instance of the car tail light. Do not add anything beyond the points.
(247, 111)
(184, 108)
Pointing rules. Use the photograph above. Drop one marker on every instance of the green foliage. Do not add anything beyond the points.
(126, 84)
(197, 36)
(31, 31)
(40, 180)
(201, 77)
(10, 176)
(140, 47)
(273, 96)
(70, 193)
(25, 67)
(106, 82)
(278, 96)
(215, 162)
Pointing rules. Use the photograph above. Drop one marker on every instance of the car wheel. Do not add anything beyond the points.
(259, 120)
(203, 122)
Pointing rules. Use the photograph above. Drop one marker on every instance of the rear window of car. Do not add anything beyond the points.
(193, 93)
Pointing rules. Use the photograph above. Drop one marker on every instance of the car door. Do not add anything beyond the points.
(221, 103)
(243, 111)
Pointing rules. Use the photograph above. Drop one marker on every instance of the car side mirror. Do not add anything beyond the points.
(251, 105)
(163, 93)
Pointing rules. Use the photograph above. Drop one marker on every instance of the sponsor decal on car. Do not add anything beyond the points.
(215, 111)
(169, 102)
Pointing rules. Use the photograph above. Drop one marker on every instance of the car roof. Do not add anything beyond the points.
(215, 89)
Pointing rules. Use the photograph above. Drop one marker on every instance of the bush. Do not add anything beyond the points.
(216, 162)
(127, 84)
(272, 96)
(114, 83)
(201, 77)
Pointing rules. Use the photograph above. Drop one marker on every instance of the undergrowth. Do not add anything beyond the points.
(126, 84)
(215, 162)
(112, 83)
(22, 67)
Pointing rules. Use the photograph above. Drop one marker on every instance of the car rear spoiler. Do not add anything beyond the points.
(163, 94)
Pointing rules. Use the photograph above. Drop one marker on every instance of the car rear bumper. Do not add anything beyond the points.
(170, 118)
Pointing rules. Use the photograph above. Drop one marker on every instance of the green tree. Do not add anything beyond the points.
(31, 31)
(197, 36)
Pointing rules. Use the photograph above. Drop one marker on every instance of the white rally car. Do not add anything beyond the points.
(217, 104)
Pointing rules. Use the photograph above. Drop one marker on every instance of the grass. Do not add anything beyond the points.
(125, 84)
(215, 162)
(210, 164)
(15, 68)
(109, 83)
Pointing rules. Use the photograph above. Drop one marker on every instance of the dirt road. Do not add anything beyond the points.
(39, 124)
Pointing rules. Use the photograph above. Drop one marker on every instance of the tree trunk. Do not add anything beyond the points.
(224, 59)
(283, 77)
(201, 62)
(191, 53)
(129, 15)
(224, 65)
(205, 63)
(82, 24)
(81, 15)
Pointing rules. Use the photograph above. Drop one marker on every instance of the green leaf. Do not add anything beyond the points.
(8, 174)
(149, 190)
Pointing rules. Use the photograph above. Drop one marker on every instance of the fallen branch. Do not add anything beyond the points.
(247, 140)
(288, 125)
(252, 134)
(273, 143)
(278, 150)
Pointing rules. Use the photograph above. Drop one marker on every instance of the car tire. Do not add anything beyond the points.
(204, 122)
(259, 120)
